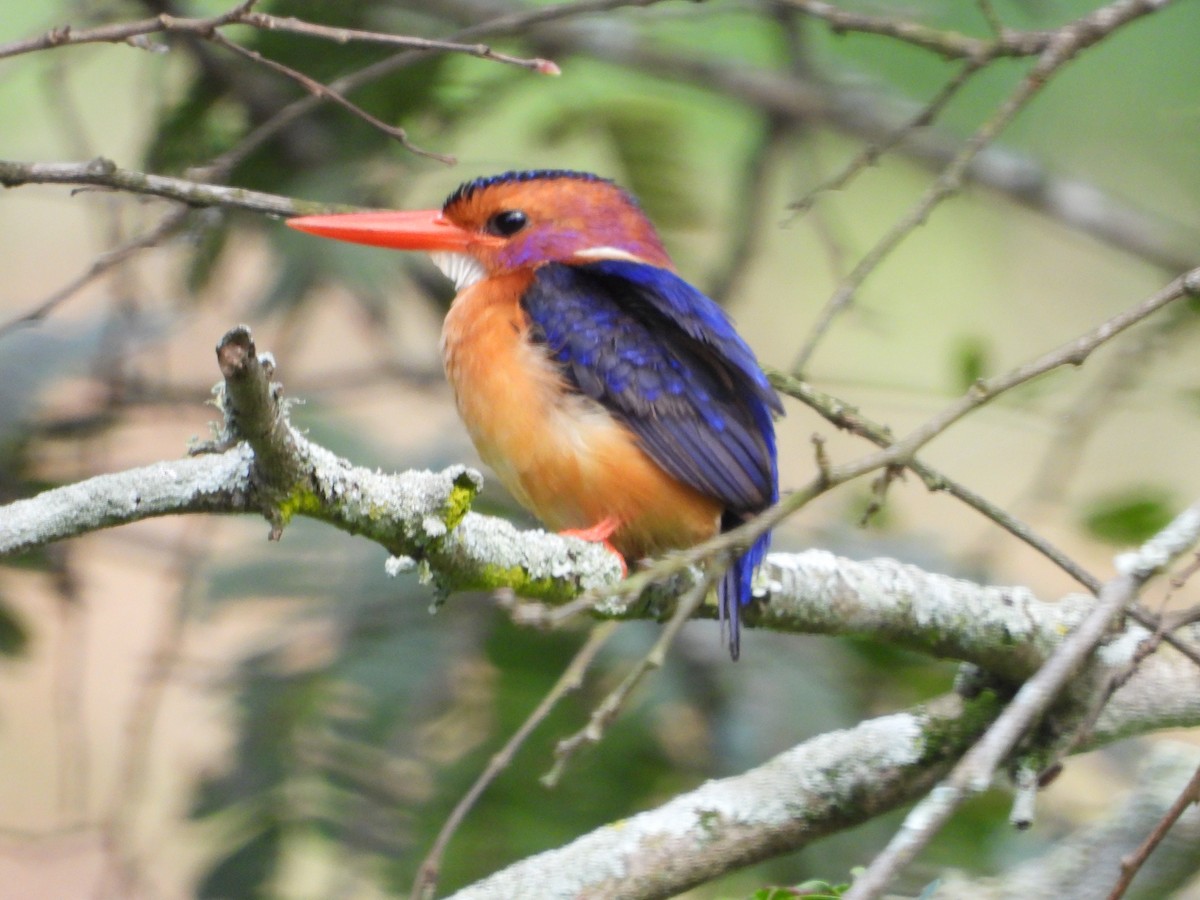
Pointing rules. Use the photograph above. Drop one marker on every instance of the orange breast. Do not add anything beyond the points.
(560, 454)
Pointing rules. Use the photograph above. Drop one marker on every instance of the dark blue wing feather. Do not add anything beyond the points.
(666, 361)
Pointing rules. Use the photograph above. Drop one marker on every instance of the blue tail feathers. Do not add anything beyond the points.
(734, 591)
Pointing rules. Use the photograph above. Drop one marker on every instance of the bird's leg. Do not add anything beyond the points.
(600, 533)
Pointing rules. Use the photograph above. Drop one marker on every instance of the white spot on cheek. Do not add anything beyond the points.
(462, 269)
(592, 253)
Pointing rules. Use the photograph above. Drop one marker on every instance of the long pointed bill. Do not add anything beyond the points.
(424, 229)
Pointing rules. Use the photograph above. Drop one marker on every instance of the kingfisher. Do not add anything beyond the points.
(614, 400)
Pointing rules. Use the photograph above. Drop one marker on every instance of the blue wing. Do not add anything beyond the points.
(666, 361)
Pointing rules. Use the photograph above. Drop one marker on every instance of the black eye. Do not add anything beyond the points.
(507, 222)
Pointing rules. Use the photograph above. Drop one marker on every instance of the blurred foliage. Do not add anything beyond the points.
(810, 890)
(14, 633)
(645, 137)
(1130, 515)
(971, 362)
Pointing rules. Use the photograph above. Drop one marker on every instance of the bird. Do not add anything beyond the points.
(614, 400)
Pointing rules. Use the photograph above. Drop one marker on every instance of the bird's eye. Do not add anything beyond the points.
(507, 222)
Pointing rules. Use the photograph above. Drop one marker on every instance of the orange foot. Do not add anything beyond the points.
(600, 533)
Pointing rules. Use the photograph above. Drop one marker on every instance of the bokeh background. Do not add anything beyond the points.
(187, 709)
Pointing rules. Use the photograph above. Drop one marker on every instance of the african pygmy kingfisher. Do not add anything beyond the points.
(611, 397)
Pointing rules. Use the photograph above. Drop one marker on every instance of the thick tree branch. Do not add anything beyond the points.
(823, 785)
(274, 470)
(279, 473)
(209, 484)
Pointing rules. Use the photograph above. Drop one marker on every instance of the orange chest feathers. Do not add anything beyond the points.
(560, 454)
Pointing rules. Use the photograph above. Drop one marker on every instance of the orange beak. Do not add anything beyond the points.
(425, 229)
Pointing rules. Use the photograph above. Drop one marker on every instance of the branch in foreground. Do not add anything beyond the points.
(278, 473)
(424, 516)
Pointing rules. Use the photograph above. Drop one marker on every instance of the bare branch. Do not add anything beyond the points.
(948, 44)
(123, 32)
(1130, 866)
(606, 712)
(278, 473)
(243, 14)
(1006, 42)
(873, 152)
(104, 173)
(346, 35)
(317, 89)
(1085, 863)
(846, 417)
(800, 795)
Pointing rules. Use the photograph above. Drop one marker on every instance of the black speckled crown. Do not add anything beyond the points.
(465, 191)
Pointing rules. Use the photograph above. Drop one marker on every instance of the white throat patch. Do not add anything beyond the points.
(462, 269)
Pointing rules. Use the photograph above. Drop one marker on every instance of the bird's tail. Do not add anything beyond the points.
(734, 591)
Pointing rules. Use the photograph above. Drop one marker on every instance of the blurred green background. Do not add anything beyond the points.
(186, 708)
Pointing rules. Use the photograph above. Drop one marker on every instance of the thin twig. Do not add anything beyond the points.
(1133, 863)
(572, 677)
(847, 417)
(874, 151)
(603, 715)
(123, 32)
(949, 44)
(167, 226)
(505, 23)
(242, 14)
(1089, 409)
(347, 35)
(104, 173)
(317, 89)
